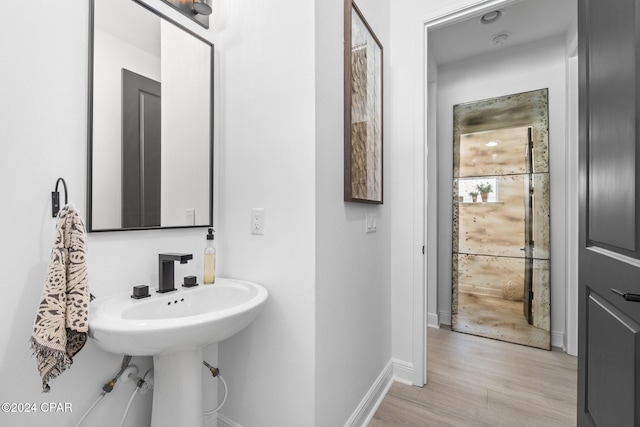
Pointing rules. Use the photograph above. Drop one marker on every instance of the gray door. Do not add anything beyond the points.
(141, 151)
(609, 258)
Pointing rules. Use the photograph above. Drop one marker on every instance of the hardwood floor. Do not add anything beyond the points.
(475, 381)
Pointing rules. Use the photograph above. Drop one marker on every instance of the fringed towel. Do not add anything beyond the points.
(60, 328)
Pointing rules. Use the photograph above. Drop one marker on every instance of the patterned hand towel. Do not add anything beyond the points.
(60, 328)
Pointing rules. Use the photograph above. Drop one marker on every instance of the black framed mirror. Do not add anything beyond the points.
(150, 121)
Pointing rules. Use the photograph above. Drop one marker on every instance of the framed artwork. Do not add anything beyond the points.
(363, 157)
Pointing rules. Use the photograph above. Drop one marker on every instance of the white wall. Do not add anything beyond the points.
(411, 191)
(324, 336)
(433, 231)
(111, 55)
(404, 120)
(44, 136)
(267, 135)
(186, 89)
(353, 319)
(280, 133)
(328, 281)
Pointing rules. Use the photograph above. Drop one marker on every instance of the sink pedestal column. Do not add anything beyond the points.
(177, 390)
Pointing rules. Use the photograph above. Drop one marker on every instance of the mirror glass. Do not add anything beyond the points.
(150, 121)
(501, 283)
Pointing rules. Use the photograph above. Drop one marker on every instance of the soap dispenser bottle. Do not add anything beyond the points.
(209, 260)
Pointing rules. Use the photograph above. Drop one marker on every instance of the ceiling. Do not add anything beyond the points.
(523, 22)
(130, 22)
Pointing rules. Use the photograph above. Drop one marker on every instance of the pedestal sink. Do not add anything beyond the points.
(174, 328)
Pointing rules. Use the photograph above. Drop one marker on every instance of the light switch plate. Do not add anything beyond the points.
(370, 222)
(191, 217)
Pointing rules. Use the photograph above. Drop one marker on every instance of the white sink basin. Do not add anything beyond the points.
(164, 323)
(173, 328)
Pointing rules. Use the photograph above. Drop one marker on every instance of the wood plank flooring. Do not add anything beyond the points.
(475, 381)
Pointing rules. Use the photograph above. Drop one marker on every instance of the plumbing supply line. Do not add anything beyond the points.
(106, 388)
(141, 387)
(215, 372)
(91, 408)
(126, 410)
(125, 364)
(224, 399)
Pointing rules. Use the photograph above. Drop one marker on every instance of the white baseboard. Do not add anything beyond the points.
(557, 340)
(433, 320)
(445, 318)
(369, 404)
(403, 371)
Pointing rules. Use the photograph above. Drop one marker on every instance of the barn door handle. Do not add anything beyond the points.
(626, 296)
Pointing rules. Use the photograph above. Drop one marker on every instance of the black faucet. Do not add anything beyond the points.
(166, 282)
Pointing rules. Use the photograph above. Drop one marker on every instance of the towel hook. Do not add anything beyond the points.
(55, 198)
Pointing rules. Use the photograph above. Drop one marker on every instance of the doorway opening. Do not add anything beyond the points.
(513, 67)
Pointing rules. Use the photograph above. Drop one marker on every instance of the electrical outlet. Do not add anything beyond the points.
(191, 217)
(370, 222)
(257, 221)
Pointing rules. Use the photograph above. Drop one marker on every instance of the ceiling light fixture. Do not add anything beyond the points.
(491, 17)
(491, 144)
(201, 7)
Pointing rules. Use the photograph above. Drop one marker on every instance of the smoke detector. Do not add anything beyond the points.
(501, 39)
